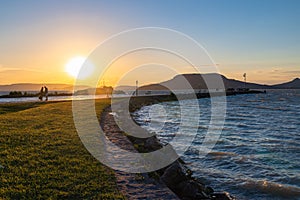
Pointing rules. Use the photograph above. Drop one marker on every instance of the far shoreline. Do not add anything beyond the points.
(23, 98)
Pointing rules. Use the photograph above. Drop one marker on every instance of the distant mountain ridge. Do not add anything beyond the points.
(37, 87)
(197, 81)
(294, 84)
(125, 87)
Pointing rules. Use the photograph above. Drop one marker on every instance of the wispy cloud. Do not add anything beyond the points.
(4, 69)
(7, 69)
(292, 72)
(285, 71)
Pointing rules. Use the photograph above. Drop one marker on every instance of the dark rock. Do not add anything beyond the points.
(188, 188)
(222, 196)
(208, 190)
(173, 175)
(181, 161)
(152, 144)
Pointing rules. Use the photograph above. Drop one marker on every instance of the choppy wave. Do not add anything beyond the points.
(218, 153)
(257, 156)
(274, 189)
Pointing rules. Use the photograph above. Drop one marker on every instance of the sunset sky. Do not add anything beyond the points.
(259, 37)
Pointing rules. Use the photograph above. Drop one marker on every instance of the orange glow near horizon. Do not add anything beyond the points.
(52, 68)
(66, 73)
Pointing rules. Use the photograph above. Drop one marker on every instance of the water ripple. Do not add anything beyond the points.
(258, 154)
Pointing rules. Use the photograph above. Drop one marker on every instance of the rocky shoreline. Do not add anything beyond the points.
(175, 181)
(132, 186)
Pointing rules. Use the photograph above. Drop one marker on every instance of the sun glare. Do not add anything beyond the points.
(73, 67)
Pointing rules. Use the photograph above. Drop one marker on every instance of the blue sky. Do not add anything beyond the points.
(260, 37)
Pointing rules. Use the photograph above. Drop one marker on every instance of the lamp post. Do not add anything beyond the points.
(245, 79)
(136, 87)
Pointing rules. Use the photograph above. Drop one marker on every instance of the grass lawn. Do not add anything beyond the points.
(43, 157)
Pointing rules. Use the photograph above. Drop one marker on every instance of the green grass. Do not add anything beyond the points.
(15, 107)
(43, 157)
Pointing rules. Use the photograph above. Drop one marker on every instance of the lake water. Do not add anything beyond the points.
(258, 154)
(74, 97)
(51, 98)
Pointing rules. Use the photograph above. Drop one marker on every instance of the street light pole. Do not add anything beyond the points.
(136, 87)
(245, 79)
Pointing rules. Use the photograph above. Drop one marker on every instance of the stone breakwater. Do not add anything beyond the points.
(132, 186)
(175, 181)
(136, 102)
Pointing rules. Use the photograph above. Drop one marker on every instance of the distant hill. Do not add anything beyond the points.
(125, 88)
(99, 90)
(197, 82)
(37, 87)
(294, 84)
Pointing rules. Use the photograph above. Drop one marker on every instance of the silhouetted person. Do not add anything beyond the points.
(41, 94)
(46, 93)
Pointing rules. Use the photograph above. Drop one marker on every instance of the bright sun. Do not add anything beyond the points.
(74, 65)
(82, 65)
